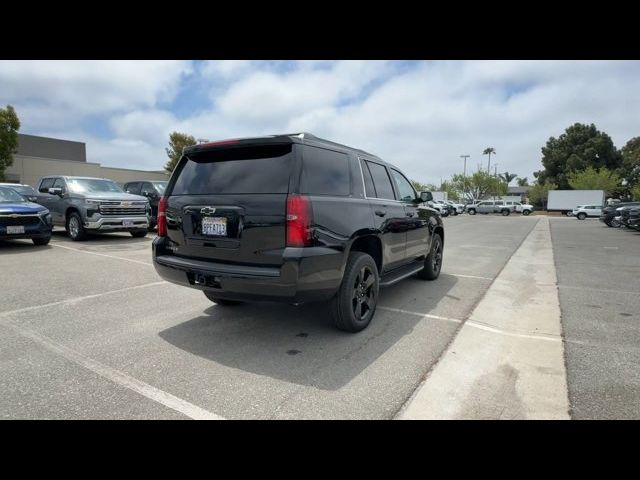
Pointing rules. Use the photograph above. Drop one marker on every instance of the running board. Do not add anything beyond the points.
(401, 273)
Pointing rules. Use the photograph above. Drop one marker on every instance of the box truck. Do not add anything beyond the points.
(440, 196)
(566, 200)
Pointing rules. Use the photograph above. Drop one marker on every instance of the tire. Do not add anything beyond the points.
(581, 216)
(221, 301)
(41, 241)
(615, 223)
(139, 233)
(506, 213)
(455, 213)
(526, 212)
(471, 211)
(75, 229)
(354, 305)
(433, 262)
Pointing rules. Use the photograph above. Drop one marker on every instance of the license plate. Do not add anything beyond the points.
(127, 223)
(15, 229)
(214, 226)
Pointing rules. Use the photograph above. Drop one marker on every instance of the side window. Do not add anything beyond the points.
(325, 172)
(134, 187)
(369, 189)
(406, 191)
(46, 184)
(381, 181)
(147, 187)
(59, 183)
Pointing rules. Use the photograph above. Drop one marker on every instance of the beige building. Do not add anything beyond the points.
(41, 156)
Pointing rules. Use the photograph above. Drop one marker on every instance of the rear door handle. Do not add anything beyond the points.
(380, 213)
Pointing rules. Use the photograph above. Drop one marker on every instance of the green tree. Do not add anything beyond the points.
(539, 193)
(9, 126)
(579, 147)
(636, 193)
(508, 177)
(592, 179)
(522, 182)
(177, 142)
(423, 187)
(630, 168)
(489, 151)
(452, 192)
(478, 185)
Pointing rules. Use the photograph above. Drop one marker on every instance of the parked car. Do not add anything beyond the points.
(444, 207)
(519, 207)
(153, 190)
(27, 191)
(457, 208)
(634, 218)
(490, 206)
(609, 213)
(583, 211)
(624, 215)
(20, 218)
(443, 210)
(86, 204)
(303, 220)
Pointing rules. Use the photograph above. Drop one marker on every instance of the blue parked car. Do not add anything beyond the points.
(20, 218)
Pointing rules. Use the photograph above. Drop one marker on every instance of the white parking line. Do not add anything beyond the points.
(78, 299)
(118, 377)
(102, 254)
(418, 314)
(468, 276)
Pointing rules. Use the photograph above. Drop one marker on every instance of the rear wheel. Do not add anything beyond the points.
(41, 241)
(433, 262)
(75, 229)
(505, 213)
(353, 307)
(472, 211)
(221, 301)
(139, 233)
(581, 216)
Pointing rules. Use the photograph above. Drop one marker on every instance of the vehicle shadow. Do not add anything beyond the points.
(102, 238)
(300, 344)
(20, 245)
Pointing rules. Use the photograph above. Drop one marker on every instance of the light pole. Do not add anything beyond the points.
(464, 175)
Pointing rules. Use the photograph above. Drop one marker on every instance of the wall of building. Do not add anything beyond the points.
(29, 170)
(45, 147)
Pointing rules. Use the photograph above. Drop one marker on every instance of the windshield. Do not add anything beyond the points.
(23, 189)
(92, 185)
(160, 186)
(9, 195)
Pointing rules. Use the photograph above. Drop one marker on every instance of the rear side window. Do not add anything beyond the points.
(324, 172)
(381, 181)
(369, 189)
(46, 184)
(244, 170)
(133, 187)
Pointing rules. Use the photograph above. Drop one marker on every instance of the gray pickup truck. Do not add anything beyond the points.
(84, 204)
(490, 206)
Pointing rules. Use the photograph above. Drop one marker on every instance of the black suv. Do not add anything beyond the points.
(609, 213)
(294, 218)
(153, 190)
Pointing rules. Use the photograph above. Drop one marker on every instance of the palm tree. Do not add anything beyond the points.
(508, 177)
(523, 182)
(489, 151)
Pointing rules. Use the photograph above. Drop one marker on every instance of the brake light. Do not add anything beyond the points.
(299, 219)
(162, 218)
(222, 142)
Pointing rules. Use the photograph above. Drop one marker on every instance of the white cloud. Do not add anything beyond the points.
(420, 118)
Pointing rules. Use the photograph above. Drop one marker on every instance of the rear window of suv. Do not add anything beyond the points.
(324, 172)
(240, 170)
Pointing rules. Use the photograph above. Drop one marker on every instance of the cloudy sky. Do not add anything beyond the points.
(419, 115)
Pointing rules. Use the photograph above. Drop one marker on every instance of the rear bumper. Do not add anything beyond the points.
(305, 275)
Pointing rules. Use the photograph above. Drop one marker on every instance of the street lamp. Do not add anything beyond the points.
(464, 175)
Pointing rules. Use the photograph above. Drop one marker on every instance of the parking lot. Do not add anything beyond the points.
(90, 331)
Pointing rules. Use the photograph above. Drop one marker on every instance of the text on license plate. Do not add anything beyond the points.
(15, 229)
(214, 226)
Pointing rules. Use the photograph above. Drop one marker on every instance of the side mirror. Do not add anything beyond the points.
(55, 191)
(426, 196)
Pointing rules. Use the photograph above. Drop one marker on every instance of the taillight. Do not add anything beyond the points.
(299, 219)
(162, 218)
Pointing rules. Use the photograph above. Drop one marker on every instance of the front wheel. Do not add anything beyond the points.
(505, 213)
(581, 216)
(75, 229)
(472, 211)
(139, 233)
(353, 307)
(526, 212)
(433, 262)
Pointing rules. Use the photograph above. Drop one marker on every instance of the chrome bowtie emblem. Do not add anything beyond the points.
(207, 210)
(126, 204)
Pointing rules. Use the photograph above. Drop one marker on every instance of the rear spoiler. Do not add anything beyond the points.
(244, 142)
